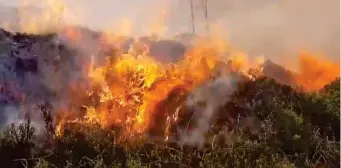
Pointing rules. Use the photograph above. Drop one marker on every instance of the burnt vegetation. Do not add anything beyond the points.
(265, 124)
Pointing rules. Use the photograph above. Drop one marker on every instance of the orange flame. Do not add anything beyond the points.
(315, 72)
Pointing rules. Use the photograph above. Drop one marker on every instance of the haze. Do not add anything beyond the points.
(271, 28)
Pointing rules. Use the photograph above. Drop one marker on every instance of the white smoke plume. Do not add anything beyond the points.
(206, 100)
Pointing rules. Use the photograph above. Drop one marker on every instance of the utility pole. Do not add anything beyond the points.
(204, 3)
(192, 17)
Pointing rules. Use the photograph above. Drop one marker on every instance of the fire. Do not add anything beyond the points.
(127, 90)
(315, 71)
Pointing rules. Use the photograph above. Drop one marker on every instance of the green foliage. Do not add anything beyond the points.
(331, 99)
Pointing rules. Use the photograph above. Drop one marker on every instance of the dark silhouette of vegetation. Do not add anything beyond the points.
(296, 129)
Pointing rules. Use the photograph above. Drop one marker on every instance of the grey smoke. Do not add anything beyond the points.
(10, 114)
(13, 114)
(205, 100)
(276, 29)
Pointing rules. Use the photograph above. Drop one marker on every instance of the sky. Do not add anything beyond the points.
(272, 28)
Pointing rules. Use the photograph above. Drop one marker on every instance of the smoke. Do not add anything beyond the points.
(9, 114)
(14, 114)
(29, 77)
(205, 100)
(276, 29)
(280, 29)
